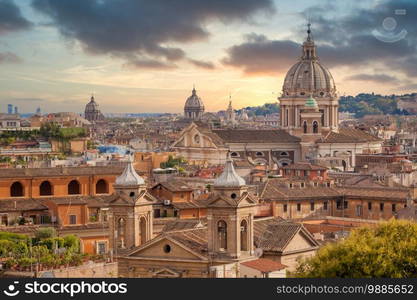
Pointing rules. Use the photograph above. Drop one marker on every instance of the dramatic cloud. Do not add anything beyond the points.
(258, 54)
(9, 58)
(148, 64)
(378, 78)
(11, 18)
(202, 64)
(143, 28)
(355, 40)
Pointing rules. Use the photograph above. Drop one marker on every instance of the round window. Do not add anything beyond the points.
(233, 196)
(167, 248)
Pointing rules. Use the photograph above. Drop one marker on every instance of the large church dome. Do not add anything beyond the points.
(92, 111)
(91, 106)
(308, 76)
(194, 107)
(194, 101)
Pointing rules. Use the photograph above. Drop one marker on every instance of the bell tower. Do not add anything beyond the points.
(230, 216)
(311, 127)
(131, 211)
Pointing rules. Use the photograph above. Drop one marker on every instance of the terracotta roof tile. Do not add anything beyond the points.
(264, 265)
(255, 136)
(8, 205)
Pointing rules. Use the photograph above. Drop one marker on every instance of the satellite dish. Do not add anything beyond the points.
(258, 252)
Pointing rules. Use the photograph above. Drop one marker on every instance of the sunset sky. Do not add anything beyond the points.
(145, 55)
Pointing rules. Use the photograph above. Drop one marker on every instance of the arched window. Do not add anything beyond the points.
(74, 188)
(222, 235)
(244, 236)
(305, 127)
(284, 153)
(234, 154)
(16, 189)
(315, 127)
(142, 231)
(45, 189)
(259, 153)
(102, 187)
(121, 231)
(197, 138)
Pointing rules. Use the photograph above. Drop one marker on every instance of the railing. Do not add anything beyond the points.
(25, 150)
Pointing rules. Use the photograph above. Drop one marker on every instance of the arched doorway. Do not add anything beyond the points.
(222, 235)
(45, 188)
(143, 231)
(121, 232)
(102, 187)
(16, 189)
(74, 188)
(244, 235)
(315, 127)
(344, 164)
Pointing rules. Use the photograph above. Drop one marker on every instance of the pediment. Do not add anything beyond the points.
(154, 249)
(221, 202)
(179, 143)
(165, 272)
(246, 200)
(120, 200)
(145, 198)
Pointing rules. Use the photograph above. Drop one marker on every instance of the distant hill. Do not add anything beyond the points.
(374, 104)
(361, 105)
(266, 109)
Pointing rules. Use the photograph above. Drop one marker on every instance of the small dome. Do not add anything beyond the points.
(194, 101)
(229, 177)
(311, 103)
(129, 177)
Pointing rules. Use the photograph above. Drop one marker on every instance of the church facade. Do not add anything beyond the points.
(201, 145)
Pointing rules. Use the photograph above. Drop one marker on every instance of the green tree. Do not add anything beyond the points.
(45, 233)
(387, 250)
(173, 162)
(72, 242)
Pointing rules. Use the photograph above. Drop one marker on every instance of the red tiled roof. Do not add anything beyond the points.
(302, 165)
(264, 265)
